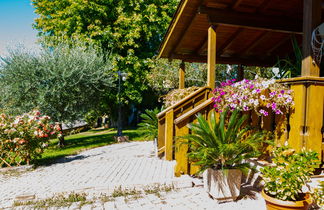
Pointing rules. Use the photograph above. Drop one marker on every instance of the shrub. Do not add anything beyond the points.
(150, 123)
(23, 138)
(289, 173)
(318, 195)
(224, 144)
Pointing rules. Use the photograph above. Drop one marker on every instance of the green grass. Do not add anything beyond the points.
(83, 141)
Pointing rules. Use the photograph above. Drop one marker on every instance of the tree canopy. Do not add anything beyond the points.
(130, 30)
(64, 82)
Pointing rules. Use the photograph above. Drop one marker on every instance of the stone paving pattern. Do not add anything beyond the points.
(101, 170)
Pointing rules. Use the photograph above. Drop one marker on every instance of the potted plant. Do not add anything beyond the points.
(318, 196)
(220, 148)
(286, 177)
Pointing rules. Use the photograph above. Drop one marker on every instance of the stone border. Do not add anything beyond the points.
(16, 168)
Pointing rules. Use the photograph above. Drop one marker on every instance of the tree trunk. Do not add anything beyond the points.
(61, 138)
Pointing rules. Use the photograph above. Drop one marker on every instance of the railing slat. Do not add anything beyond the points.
(169, 135)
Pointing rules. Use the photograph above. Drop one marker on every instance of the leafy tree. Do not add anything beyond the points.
(64, 82)
(130, 29)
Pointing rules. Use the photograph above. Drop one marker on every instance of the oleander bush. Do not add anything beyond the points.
(24, 137)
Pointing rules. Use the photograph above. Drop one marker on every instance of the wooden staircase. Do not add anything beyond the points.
(172, 124)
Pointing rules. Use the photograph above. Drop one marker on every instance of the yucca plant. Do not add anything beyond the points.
(150, 123)
(224, 144)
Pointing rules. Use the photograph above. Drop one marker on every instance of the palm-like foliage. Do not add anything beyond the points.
(150, 123)
(224, 144)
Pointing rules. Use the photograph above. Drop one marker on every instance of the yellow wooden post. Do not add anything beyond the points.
(314, 119)
(169, 135)
(297, 117)
(194, 168)
(182, 75)
(181, 150)
(161, 136)
(211, 57)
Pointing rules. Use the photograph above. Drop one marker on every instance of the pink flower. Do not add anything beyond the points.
(273, 106)
(263, 112)
(278, 111)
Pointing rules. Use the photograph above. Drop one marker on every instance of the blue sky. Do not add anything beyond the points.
(16, 19)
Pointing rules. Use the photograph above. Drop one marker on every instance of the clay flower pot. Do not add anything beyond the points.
(276, 204)
(222, 185)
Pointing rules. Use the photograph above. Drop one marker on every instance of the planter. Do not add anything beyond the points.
(222, 185)
(276, 204)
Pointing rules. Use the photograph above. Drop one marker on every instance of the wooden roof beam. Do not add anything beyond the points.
(181, 37)
(236, 4)
(248, 20)
(226, 60)
(279, 44)
(202, 46)
(263, 36)
(229, 41)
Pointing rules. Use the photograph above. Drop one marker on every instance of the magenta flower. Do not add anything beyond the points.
(263, 112)
(274, 106)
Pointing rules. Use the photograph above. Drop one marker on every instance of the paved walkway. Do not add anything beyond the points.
(103, 169)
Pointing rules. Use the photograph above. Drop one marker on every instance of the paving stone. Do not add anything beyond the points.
(101, 170)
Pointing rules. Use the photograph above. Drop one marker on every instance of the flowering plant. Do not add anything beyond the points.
(290, 171)
(255, 95)
(24, 137)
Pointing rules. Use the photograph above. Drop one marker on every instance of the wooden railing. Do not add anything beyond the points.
(306, 122)
(166, 119)
(301, 127)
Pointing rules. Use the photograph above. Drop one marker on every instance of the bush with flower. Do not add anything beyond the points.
(257, 95)
(24, 137)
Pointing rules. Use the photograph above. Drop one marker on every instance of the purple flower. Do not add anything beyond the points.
(279, 95)
(282, 91)
(273, 93)
(273, 106)
(251, 86)
(263, 112)
(278, 111)
(245, 108)
(258, 90)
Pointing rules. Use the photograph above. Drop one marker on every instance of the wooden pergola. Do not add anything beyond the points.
(248, 32)
(245, 32)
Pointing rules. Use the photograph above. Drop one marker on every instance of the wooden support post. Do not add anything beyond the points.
(161, 137)
(182, 71)
(307, 118)
(240, 72)
(211, 57)
(297, 117)
(314, 117)
(181, 150)
(311, 19)
(169, 135)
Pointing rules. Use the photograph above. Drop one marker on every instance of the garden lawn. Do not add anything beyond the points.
(83, 141)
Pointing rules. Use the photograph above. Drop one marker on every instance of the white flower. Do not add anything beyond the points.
(263, 97)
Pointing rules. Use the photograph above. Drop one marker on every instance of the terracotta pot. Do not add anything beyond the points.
(222, 185)
(276, 204)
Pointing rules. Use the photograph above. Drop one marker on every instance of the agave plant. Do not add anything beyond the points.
(224, 144)
(150, 123)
